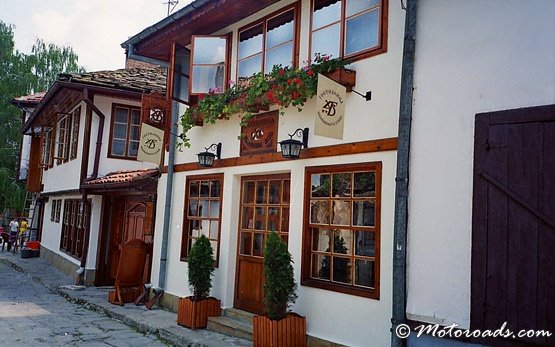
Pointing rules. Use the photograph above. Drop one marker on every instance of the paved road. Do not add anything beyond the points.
(32, 315)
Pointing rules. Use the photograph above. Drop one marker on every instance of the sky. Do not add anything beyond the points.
(94, 28)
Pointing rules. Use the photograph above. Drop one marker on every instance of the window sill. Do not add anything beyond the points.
(345, 289)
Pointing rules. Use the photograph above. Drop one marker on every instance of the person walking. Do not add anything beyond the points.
(14, 228)
(23, 226)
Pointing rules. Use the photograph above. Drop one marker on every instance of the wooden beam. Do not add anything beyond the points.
(370, 146)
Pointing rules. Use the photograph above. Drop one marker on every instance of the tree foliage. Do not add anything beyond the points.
(201, 268)
(23, 74)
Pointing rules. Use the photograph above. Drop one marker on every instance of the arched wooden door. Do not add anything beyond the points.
(264, 208)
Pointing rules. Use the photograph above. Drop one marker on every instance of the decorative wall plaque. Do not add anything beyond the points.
(260, 134)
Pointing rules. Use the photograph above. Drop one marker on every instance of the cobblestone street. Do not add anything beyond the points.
(32, 315)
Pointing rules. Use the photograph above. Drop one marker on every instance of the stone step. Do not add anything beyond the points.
(230, 326)
(238, 314)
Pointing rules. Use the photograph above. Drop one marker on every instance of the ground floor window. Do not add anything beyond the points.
(203, 210)
(76, 216)
(341, 233)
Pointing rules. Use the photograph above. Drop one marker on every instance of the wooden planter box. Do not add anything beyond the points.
(343, 76)
(194, 314)
(288, 332)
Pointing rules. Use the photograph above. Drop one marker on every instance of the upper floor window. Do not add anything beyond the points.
(266, 43)
(125, 131)
(46, 148)
(348, 28)
(208, 64)
(62, 154)
(75, 118)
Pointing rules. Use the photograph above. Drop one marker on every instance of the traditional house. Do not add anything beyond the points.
(334, 206)
(93, 192)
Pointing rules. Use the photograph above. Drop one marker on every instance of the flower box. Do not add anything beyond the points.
(194, 314)
(343, 76)
(288, 332)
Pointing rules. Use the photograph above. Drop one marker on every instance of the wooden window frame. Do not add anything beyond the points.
(129, 108)
(370, 52)
(63, 127)
(74, 133)
(227, 63)
(47, 144)
(352, 289)
(185, 232)
(71, 241)
(58, 210)
(264, 22)
(53, 210)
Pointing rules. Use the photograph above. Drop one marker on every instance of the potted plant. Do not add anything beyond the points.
(193, 311)
(278, 327)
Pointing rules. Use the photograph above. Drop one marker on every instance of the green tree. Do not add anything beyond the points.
(201, 268)
(23, 74)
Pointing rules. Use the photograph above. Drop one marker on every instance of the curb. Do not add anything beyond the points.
(162, 334)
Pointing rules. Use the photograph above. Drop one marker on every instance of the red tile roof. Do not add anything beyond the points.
(29, 99)
(122, 178)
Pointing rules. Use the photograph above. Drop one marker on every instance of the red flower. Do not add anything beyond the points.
(274, 86)
(298, 81)
(201, 96)
(310, 72)
(289, 81)
(281, 72)
(295, 95)
(271, 96)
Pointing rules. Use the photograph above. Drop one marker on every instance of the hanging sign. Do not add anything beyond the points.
(151, 144)
(330, 104)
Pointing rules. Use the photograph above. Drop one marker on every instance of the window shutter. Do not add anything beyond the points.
(208, 64)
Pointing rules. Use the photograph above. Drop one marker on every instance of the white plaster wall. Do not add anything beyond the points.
(52, 232)
(66, 176)
(107, 165)
(471, 57)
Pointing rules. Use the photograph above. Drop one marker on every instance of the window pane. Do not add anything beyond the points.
(246, 243)
(362, 32)
(208, 78)
(204, 189)
(194, 228)
(273, 218)
(260, 218)
(341, 185)
(285, 199)
(325, 12)
(118, 147)
(342, 270)
(258, 244)
(203, 208)
(249, 67)
(274, 193)
(194, 188)
(320, 185)
(121, 115)
(214, 245)
(135, 132)
(341, 212)
(180, 86)
(248, 192)
(326, 41)
(364, 184)
(120, 131)
(319, 212)
(214, 229)
(250, 41)
(133, 148)
(280, 55)
(342, 241)
(364, 273)
(215, 189)
(321, 267)
(357, 6)
(209, 50)
(193, 208)
(280, 29)
(261, 187)
(321, 240)
(363, 213)
(247, 218)
(285, 219)
(214, 208)
(204, 228)
(365, 243)
(135, 117)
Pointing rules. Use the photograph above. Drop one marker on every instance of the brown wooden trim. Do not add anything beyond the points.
(381, 145)
(129, 108)
(306, 253)
(542, 113)
(74, 114)
(85, 150)
(185, 229)
(264, 21)
(63, 192)
(382, 34)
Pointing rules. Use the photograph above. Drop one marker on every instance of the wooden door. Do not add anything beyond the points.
(513, 231)
(264, 207)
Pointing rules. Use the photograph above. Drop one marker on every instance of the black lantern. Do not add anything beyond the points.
(207, 158)
(292, 148)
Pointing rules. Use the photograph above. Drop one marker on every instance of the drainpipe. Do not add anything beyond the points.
(402, 179)
(168, 204)
(81, 271)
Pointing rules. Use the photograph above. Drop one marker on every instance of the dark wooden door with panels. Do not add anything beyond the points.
(264, 207)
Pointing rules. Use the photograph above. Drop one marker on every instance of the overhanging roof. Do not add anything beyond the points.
(200, 17)
(119, 180)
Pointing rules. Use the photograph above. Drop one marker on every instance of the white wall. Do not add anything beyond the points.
(363, 319)
(471, 57)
